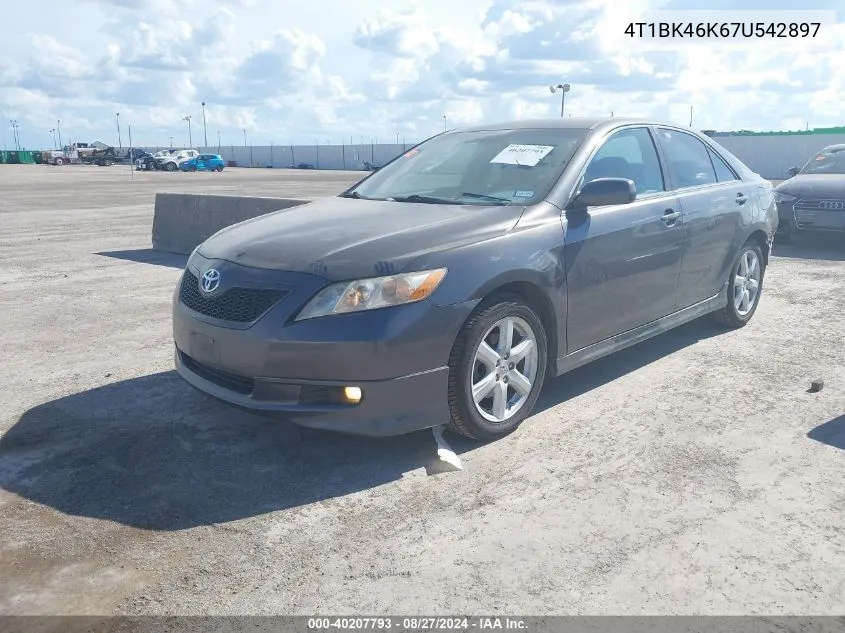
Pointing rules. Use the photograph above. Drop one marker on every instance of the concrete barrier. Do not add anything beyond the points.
(183, 221)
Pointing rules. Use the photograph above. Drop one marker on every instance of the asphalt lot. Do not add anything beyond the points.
(692, 474)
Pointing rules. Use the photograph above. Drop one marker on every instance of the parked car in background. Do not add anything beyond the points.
(145, 161)
(813, 198)
(203, 162)
(446, 286)
(171, 161)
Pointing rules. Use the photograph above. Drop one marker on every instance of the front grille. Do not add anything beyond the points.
(239, 305)
(233, 382)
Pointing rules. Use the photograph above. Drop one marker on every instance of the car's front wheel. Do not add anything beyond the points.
(745, 285)
(496, 369)
(171, 167)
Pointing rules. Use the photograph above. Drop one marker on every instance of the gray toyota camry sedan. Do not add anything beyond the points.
(446, 286)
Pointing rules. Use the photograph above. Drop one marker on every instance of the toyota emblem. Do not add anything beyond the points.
(210, 281)
(832, 205)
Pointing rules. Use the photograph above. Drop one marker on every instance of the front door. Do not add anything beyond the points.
(623, 261)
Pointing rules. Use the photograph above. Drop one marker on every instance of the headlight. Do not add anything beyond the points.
(782, 197)
(378, 292)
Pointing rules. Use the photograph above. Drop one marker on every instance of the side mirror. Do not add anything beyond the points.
(603, 192)
(793, 171)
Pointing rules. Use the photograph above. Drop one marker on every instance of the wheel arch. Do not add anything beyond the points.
(762, 240)
(535, 297)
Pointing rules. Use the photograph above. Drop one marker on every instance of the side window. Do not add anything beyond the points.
(723, 171)
(628, 154)
(688, 158)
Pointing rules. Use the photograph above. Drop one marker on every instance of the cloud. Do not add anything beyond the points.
(309, 72)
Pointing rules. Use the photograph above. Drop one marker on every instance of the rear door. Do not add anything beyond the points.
(712, 198)
(623, 261)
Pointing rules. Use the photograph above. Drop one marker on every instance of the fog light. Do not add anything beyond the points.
(352, 394)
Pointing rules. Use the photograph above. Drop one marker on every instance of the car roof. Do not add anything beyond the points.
(577, 123)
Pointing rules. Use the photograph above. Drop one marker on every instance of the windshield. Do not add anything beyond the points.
(828, 161)
(479, 168)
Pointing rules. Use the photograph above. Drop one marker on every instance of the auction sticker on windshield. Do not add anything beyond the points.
(523, 155)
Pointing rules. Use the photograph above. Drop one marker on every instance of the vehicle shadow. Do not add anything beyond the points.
(831, 433)
(818, 247)
(149, 256)
(610, 368)
(153, 453)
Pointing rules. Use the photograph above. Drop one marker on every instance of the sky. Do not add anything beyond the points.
(333, 71)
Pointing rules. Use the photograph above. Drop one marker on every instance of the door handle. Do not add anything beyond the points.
(670, 216)
(741, 199)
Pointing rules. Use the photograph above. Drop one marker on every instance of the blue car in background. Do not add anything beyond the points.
(204, 162)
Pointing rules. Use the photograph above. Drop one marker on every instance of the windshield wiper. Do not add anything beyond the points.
(415, 197)
(351, 194)
(481, 196)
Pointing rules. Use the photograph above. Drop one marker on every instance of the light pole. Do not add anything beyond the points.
(564, 88)
(204, 132)
(59, 131)
(190, 138)
(53, 132)
(171, 142)
(218, 141)
(444, 122)
(15, 133)
(119, 141)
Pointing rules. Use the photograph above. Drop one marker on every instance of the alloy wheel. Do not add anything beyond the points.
(504, 369)
(747, 282)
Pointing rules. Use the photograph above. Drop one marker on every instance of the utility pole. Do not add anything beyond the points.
(204, 133)
(444, 123)
(14, 132)
(218, 141)
(59, 130)
(190, 138)
(119, 141)
(690, 116)
(564, 88)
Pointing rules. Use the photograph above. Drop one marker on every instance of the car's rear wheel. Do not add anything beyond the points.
(192, 168)
(496, 369)
(220, 168)
(171, 167)
(745, 285)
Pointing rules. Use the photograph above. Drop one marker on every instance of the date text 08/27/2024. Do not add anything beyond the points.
(722, 30)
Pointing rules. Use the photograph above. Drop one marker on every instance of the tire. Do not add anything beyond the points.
(192, 168)
(734, 315)
(170, 167)
(219, 169)
(58, 162)
(476, 420)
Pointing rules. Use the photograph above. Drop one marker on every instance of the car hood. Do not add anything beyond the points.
(819, 186)
(345, 238)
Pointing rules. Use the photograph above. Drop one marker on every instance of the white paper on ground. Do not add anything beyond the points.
(523, 155)
(444, 451)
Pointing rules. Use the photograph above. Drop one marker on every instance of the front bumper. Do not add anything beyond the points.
(282, 368)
